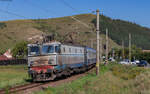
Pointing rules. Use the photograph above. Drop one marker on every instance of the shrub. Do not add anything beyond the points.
(20, 50)
(126, 72)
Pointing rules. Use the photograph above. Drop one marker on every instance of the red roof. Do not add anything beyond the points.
(2, 57)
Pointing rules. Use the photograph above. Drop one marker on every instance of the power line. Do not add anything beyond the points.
(11, 13)
(41, 8)
(68, 5)
(65, 3)
(74, 9)
(80, 22)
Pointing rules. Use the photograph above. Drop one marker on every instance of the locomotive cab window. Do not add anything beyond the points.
(34, 50)
(47, 49)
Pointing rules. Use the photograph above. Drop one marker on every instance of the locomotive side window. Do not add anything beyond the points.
(57, 49)
(64, 49)
(70, 50)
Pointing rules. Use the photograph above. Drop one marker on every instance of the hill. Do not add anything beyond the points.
(66, 28)
(119, 30)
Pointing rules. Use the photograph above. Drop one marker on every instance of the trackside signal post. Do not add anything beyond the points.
(98, 38)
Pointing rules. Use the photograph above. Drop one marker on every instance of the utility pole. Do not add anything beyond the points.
(106, 46)
(98, 37)
(130, 47)
(123, 57)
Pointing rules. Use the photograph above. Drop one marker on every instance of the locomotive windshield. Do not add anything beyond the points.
(46, 49)
(34, 50)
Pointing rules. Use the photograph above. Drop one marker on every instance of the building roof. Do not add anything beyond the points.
(2, 57)
(8, 54)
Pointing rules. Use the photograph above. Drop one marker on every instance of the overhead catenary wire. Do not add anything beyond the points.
(68, 5)
(41, 8)
(12, 13)
(80, 22)
(74, 9)
(65, 3)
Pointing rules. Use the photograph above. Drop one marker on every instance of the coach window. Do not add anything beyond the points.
(75, 50)
(80, 51)
(70, 50)
(64, 49)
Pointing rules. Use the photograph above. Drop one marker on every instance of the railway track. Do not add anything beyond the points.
(20, 88)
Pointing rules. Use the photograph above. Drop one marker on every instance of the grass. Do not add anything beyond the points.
(113, 79)
(13, 75)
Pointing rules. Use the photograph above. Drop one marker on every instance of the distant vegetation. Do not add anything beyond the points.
(2, 25)
(136, 54)
(119, 31)
(20, 50)
(2, 52)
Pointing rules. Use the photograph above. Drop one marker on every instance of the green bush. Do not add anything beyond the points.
(20, 50)
(2, 25)
(126, 72)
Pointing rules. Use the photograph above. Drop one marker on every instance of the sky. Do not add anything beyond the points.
(136, 11)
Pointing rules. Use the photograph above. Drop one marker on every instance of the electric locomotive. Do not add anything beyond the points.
(53, 59)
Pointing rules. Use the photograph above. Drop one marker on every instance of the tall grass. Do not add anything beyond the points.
(113, 79)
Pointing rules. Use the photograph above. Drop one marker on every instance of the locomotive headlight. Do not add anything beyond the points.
(51, 61)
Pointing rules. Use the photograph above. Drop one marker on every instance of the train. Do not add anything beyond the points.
(47, 61)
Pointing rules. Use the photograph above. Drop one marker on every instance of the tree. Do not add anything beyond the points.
(20, 50)
(135, 52)
(2, 52)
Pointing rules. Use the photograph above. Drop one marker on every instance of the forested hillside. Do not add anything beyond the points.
(119, 30)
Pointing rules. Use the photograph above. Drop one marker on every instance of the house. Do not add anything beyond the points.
(6, 56)
(2, 57)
